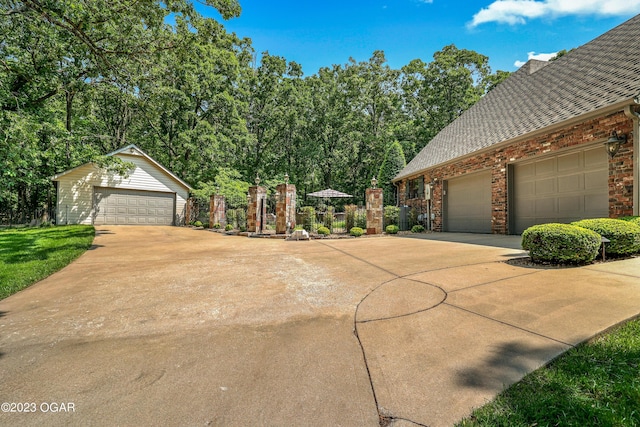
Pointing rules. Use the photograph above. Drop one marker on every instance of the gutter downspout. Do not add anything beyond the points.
(630, 112)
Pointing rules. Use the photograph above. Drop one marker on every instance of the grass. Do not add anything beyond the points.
(594, 384)
(28, 255)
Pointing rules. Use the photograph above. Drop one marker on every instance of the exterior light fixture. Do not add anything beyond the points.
(217, 189)
(374, 182)
(286, 178)
(614, 143)
(257, 180)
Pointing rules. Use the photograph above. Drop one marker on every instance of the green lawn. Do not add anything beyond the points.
(31, 254)
(594, 384)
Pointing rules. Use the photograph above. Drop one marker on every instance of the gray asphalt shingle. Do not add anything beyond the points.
(598, 74)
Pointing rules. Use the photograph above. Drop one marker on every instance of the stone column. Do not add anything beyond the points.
(285, 208)
(217, 210)
(375, 206)
(257, 209)
(190, 210)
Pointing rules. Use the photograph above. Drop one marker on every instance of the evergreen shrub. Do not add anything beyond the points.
(324, 231)
(561, 243)
(417, 229)
(633, 219)
(356, 231)
(624, 236)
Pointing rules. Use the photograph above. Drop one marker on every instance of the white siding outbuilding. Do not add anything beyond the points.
(148, 195)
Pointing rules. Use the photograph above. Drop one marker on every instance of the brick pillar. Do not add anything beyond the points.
(217, 210)
(285, 208)
(190, 210)
(375, 205)
(255, 215)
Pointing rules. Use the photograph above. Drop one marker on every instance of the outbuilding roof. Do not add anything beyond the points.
(133, 150)
(595, 76)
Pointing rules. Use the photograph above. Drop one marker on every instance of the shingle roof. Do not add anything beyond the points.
(596, 75)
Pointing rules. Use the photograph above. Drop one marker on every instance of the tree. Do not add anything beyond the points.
(71, 73)
(437, 93)
(394, 161)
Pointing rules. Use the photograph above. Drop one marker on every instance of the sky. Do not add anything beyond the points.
(509, 32)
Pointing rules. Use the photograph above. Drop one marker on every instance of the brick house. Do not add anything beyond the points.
(533, 150)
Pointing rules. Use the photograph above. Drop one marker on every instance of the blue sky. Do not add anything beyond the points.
(318, 34)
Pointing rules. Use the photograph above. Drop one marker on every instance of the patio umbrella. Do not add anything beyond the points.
(330, 194)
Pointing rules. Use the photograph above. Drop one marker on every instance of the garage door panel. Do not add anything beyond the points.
(545, 186)
(133, 207)
(570, 183)
(545, 206)
(469, 204)
(545, 167)
(569, 162)
(571, 205)
(596, 180)
(575, 188)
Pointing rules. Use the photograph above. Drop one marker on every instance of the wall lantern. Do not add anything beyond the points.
(286, 178)
(374, 182)
(257, 180)
(614, 143)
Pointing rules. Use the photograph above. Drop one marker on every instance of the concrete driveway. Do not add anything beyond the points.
(174, 326)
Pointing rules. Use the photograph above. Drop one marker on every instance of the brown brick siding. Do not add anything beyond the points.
(590, 131)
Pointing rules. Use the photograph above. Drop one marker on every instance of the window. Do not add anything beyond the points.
(415, 188)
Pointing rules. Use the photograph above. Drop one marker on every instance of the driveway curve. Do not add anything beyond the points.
(175, 326)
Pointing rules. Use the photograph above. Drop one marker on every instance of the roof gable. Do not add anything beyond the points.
(595, 76)
(130, 150)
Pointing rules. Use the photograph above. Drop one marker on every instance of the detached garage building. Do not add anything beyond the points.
(148, 195)
(535, 149)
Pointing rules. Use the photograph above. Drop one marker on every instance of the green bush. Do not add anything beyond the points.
(197, 224)
(308, 218)
(391, 215)
(417, 229)
(356, 231)
(350, 216)
(392, 229)
(624, 235)
(324, 231)
(633, 219)
(217, 226)
(561, 243)
(228, 227)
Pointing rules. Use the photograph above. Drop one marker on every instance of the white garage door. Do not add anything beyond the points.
(561, 188)
(132, 207)
(468, 203)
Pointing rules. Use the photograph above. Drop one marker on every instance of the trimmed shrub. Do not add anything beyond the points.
(324, 231)
(633, 219)
(417, 229)
(624, 235)
(392, 229)
(308, 218)
(228, 227)
(197, 224)
(217, 226)
(561, 243)
(356, 231)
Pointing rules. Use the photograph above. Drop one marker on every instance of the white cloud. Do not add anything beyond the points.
(538, 56)
(519, 11)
